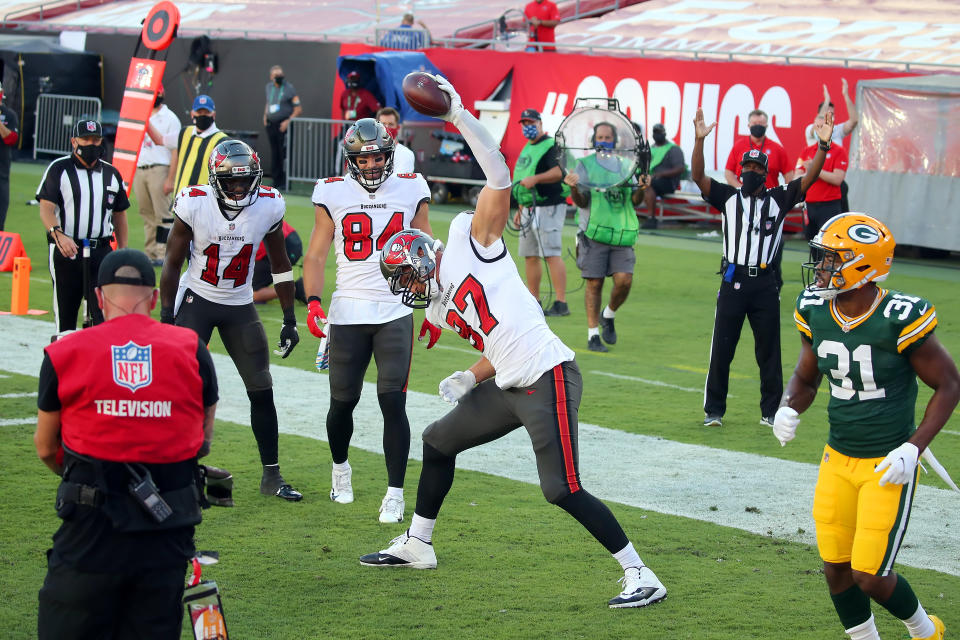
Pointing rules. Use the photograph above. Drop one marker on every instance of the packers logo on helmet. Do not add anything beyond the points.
(850, 250)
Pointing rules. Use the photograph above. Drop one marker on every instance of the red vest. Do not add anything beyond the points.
(130, 391)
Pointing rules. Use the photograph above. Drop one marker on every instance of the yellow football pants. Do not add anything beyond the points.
(858, 521)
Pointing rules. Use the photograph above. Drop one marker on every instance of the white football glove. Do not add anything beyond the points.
(900, 464)
(785, 425)
(456, 104)
(456, 385)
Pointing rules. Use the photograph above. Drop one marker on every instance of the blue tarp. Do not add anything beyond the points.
(382, 74)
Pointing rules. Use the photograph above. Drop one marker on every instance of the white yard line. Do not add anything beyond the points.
(656, 383)
(30, 394)
(693, 481)
(12, 422)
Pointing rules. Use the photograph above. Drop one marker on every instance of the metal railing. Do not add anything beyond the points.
(55, 6)
(55, 116)
(507, 44)
(514, 20)
(313, 149)
(404, 39)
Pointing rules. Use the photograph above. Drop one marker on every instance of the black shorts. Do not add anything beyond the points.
(548, 409)
(351, 345)
(663, 186)
(240, 330)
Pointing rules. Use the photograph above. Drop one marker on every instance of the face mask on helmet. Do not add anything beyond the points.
(408, 262)
(235, 174)
(849, 251)
(368, 138)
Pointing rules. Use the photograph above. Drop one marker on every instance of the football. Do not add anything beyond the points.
(423, 94)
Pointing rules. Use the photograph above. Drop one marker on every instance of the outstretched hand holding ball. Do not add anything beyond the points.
(431, 95)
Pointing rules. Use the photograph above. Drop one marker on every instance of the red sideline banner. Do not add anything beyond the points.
(650, 91)
(11, 248)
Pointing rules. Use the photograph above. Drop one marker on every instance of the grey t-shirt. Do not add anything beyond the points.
(279, 101)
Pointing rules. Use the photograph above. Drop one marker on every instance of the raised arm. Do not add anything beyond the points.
(701, 131)
(853, 116)
(493, 204)
(824, 133)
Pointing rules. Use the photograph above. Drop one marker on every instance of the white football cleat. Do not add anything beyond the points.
(342, 490)
(391, 509)
(640, 588)
(404, 551)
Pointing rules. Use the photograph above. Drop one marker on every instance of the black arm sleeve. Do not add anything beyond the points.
(207, 374)
(48, 396)
(720, 192)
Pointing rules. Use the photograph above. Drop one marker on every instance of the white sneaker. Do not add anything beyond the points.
(640, 588)
(342, 490)
(404, 551)
(391, 509)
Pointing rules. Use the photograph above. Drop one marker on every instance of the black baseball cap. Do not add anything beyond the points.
(86, 128)
(126, 266)
(530, 114)
(755, 155)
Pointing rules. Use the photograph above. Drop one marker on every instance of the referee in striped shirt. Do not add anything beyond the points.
(82, 201)
(752, 218)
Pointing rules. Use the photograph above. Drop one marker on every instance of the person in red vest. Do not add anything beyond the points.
(823, 199)
(776, 156)
(542, 20)
(125, 408)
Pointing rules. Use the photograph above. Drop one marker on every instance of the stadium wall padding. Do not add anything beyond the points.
(237, 87)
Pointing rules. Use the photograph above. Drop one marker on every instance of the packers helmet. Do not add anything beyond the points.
(235, 174)
(850, 250)
(409, 257)
(368, 137)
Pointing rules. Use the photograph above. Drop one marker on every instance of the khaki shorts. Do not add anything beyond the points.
(541, 231)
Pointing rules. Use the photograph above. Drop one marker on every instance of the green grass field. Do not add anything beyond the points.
(510, 566)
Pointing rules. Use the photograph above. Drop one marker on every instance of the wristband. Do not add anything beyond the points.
(312, 298)
(55, 227)
(286, 276)
(289, 317)
(825, 145)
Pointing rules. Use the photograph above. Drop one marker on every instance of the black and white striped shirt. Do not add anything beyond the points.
(753, 227)
(85, 199)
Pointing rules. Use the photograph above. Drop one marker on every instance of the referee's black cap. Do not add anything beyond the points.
(755, 155)
(126, 266)
(85, 128)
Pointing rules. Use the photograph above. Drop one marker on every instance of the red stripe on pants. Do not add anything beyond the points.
(563, 422)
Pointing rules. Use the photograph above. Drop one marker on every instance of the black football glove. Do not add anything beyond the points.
(289, 337)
